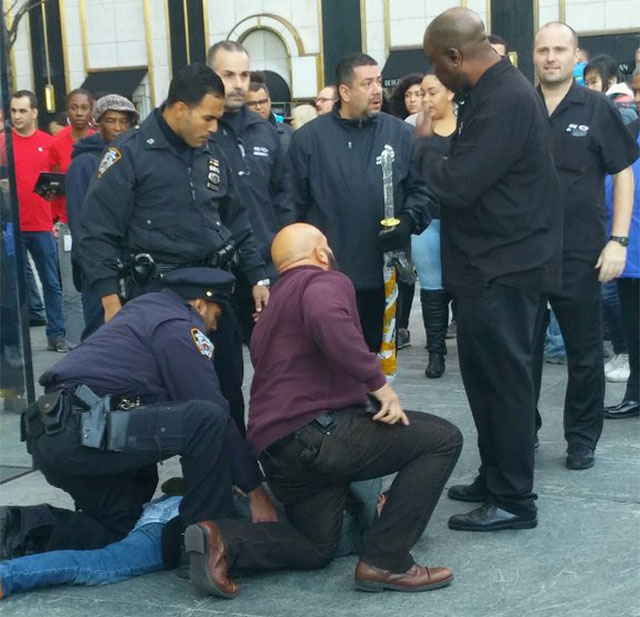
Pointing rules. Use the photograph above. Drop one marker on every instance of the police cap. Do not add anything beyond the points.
(207, 284)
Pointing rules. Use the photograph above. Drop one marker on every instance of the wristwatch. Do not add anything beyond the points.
(264, 283)
(624, 240)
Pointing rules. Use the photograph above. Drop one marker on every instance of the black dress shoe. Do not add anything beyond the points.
(474, 492)
(580, 456)
(490, 518)
(625, 409)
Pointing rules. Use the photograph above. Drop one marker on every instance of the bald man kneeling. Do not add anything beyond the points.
(315, 432)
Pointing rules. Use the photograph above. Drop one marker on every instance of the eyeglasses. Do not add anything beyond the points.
(258, 103)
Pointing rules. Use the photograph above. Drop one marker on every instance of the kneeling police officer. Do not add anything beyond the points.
(162, 199)
(139, 390)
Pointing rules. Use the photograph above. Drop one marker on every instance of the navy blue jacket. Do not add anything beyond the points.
(149, 350)
(337, 186)
(257, 160)
(148, 198)
(85, 159)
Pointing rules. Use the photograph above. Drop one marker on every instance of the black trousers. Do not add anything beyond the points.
(370, 304)
(229, 364)
(405, 300)
(109, 488)
(578, 308)
(244, 307)
(629, 294)
(314, 492)
(495, 347)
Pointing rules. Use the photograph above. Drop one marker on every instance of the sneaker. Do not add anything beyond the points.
(58, 344)
(617, 369)
(451, 330)
(403, 338)
(555, 358)
(36, 321)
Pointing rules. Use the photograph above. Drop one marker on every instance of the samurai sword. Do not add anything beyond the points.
(387, 354)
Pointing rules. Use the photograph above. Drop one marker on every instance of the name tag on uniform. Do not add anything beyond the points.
(260, 151)
(213, 179)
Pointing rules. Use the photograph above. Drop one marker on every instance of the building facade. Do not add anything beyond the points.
(134, 46)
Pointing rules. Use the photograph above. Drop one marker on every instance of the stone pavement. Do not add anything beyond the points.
(583, 558)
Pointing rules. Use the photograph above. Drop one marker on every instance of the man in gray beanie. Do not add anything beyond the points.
(113, 114)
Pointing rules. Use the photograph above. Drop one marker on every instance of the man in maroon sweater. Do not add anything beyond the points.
(310, 424)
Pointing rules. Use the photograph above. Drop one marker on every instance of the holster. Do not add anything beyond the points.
(93, 421)
(47, 415)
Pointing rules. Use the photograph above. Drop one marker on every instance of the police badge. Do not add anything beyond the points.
(204, 345)
(213, 179)
(110, 158)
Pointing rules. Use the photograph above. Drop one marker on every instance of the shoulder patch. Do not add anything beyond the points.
(110, 158)
(204, 345)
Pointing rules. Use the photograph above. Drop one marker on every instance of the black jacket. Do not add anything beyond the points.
(499, 192)
(146, 197)
(285, 132)
(337, 186)
(256, 158)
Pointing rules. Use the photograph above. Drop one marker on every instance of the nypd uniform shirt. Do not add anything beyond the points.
(589, 140)
(155, 348)
(156, 195)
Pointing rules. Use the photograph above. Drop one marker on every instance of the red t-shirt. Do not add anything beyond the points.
(59, 160)
(31, 156)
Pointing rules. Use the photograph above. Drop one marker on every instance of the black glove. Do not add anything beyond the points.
(395, 238)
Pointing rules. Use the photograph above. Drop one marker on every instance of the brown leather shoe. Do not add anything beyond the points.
(208, 560)
(416, 578)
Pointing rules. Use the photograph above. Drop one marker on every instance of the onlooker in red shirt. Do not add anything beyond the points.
(30, 158)
(79, 109)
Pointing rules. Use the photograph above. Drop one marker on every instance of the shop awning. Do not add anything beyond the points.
(116, 81)
(401, 62)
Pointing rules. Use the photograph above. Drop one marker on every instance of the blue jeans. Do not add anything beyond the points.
(41, 245)
(140, 552)
(554, 343)
(425, 252)
(36, 307)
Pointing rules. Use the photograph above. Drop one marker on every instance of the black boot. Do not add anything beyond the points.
(24, 530)
(435, 314)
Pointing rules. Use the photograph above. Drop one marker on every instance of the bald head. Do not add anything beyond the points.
(300, 244)
(456, 35)
(459, 28)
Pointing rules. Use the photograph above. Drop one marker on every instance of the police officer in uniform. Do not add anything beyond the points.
(140, 390)
(162, 199)
(589, 140)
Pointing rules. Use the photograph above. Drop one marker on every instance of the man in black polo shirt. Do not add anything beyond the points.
(589, 140)
(501, 245)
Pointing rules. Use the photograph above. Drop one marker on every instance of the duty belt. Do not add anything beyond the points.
(50, 413)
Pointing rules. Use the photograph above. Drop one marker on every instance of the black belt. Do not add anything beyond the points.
(323, 423)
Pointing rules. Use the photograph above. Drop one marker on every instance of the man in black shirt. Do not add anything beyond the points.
(589, 140)
(501, 235)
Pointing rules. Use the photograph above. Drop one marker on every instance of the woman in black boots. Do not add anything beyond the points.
(425, 248)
